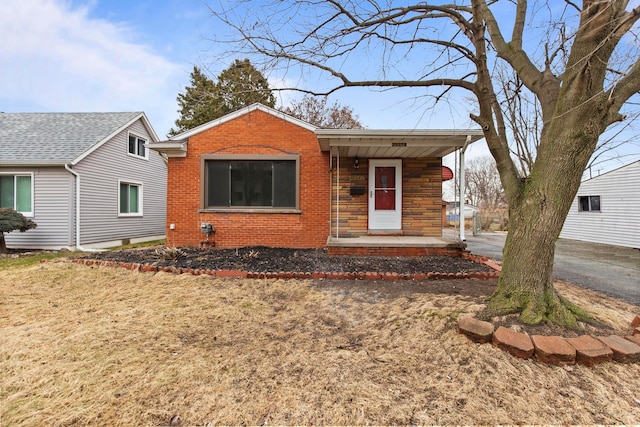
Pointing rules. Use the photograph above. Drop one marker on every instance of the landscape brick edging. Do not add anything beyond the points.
(369, 275)
(585, 350)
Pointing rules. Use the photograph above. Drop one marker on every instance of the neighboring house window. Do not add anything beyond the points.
(130, 199)
(589, 203)
(136, 146)
(16, 192)
(258, 182)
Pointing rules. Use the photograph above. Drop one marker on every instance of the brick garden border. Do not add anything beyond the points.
(369, 275)
(556, 350)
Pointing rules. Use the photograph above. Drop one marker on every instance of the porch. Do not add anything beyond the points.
(395, 245)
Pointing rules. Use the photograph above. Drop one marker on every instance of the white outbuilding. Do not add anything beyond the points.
(607, 209)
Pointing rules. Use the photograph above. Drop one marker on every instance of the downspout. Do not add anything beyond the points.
(462, 185)
(77, 176)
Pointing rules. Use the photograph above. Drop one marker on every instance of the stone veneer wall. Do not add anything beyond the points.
(421, 198)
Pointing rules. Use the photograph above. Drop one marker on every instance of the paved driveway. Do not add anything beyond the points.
(612, 270)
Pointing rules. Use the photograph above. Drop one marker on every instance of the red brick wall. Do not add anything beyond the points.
(254, 133)
(421, 198)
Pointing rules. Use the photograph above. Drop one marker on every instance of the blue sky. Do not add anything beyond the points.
(119, 55)
(129, 55)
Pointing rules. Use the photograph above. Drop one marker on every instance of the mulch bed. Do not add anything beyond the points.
(264, 259)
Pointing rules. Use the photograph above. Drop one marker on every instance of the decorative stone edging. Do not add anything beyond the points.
(369, 275)
(556, 350)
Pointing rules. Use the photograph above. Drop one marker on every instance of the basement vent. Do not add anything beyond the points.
(398, 144)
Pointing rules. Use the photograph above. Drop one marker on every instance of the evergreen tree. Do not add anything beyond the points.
(195, 103)
(240, 85)
(204, 100)
(10, 220)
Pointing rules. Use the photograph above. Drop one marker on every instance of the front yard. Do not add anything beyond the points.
(107, 346)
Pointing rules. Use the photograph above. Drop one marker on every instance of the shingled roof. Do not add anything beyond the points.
(58, 138)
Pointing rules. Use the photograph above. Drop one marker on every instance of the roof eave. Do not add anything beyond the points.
(445, 140)
(170, 148)
(28, 163)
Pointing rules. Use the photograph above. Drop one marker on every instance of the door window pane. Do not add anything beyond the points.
(385, 182)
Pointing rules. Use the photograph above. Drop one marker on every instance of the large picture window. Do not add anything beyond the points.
(16, 192)
(255, 183)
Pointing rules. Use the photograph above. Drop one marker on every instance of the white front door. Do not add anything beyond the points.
(385, 195)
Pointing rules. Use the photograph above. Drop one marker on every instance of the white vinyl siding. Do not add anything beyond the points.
(101, 174)
(617, 220)
(53, 211)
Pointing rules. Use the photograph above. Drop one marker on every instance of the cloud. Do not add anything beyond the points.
(56, 58)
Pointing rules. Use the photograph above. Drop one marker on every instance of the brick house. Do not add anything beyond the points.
(258, 177)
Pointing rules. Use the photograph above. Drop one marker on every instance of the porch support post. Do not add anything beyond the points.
(337, 193)
(462, 184)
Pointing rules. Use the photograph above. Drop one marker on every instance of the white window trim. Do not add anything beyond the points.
(146, 149)
(140, 198)
(30, 174)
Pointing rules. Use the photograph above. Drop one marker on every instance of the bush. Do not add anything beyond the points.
(10, 220)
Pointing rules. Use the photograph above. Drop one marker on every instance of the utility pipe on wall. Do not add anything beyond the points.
(77, 177)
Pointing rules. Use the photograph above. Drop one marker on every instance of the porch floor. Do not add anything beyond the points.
(393, 242)
(396, 245)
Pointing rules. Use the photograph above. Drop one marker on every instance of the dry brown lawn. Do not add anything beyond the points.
(106, 346)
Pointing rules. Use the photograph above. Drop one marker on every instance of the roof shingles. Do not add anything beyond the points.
(37, 138)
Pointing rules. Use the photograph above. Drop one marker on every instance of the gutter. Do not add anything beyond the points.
(77, 176)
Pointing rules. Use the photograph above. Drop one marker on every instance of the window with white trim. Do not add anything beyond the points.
(136, 146)
(256, 182)
(130, 196)
(16, 192)
(589, 203)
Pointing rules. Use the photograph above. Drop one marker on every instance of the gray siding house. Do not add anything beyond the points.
(607, 209)
(87, 179)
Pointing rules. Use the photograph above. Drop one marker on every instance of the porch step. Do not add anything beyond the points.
(395, 251)
(394, 245)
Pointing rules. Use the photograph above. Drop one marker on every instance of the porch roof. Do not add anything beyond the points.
(383, 143)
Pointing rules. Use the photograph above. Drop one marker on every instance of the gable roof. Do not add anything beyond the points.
(615, 171)
(241, 112)
(59, 138)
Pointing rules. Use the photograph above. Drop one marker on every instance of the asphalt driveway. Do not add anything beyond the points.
(611, 270)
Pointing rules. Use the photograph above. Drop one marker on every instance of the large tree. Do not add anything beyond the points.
(197, 103)
(580, 62)
(315, 110)
(239, 85)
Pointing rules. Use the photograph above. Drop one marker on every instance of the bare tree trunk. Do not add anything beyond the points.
(3, 245)
(537, 211)
(526, 280)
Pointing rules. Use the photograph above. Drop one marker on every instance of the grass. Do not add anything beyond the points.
(38, 257)
(103, 346)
